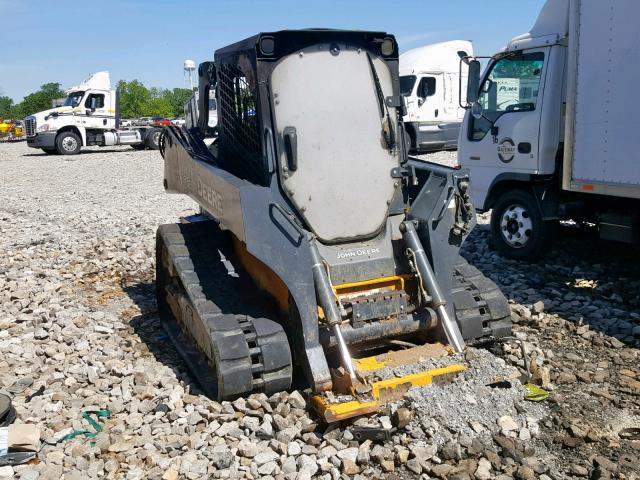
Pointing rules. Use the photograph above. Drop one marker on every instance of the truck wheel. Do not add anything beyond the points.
(50, 151)
(517, 228)
(68, 143)
(153, 138)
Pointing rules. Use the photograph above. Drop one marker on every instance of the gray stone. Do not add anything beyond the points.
(6, 472)
(296, 400)
(294, 449)
(414, 466)
(267, 468)
(348, 453)
(221, 457)
(507, 424)
(578, 470)
(289, 465)
(483, 472)
(266, 456)
(248, 449)
(538, 307)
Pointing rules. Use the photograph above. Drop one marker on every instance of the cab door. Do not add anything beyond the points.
(95, 111)
(505, 137)
(430, 93)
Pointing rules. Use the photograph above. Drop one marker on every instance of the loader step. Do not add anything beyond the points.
(214, 317)
(382, 389)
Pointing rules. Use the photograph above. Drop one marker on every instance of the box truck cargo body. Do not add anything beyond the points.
(549, 132)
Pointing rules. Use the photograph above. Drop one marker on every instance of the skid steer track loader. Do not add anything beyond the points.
(319, 240)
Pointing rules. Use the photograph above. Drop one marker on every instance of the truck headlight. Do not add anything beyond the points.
(44, 127)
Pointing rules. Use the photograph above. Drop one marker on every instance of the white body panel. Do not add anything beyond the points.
(604, 75)
(440, 61)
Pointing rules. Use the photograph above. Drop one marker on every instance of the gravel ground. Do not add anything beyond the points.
(77, 317)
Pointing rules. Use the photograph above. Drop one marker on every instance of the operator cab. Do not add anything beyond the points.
(302, 100)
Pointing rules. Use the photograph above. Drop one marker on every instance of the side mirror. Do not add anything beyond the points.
(420, 101)
(476, 110)
(473, 82)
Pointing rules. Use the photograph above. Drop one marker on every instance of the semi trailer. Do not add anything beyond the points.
(89, 116)
(562, 146)
(430, 80)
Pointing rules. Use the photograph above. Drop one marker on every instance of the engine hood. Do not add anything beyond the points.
(54, 118)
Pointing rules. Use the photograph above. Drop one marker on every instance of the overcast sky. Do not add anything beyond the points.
(65, 41)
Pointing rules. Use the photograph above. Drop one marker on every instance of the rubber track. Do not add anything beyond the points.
(478, 299)
(243, 352)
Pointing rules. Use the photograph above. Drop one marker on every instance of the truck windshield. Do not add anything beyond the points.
(406, 84)
(73, 100)
(511, 85)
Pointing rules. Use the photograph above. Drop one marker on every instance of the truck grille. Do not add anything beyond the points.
(30, 126)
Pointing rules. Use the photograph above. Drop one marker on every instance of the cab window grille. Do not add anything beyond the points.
(238, 123)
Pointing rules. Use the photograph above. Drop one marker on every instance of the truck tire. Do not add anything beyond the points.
(50, 151)
(68, 143)
(517, 228)
(152, 139)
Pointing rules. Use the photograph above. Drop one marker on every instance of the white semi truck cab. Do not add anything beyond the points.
(430, 79)
(549, 132)
(89, 116)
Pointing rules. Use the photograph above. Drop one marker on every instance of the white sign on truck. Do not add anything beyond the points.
(549, 135)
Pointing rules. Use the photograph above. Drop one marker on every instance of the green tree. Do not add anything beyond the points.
(159, 104)
(40, 100)
(179, 96)
(6, 104)
(134, 98)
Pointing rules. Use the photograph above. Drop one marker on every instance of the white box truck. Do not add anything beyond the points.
(430, 79)
(89, 116)
(562, 147)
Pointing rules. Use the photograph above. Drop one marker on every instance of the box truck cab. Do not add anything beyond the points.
(548, 133)
(430, 79)
(89, 115)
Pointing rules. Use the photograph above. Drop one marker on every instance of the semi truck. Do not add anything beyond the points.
(89, 116)
(430, 80)
(563, 147)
